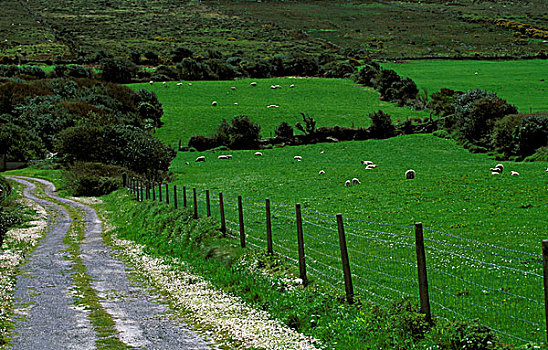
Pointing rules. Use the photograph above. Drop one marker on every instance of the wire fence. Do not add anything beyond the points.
(500, 287)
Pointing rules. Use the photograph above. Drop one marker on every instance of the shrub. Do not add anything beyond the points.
(531, 135)
(15, 93)
(476, 112)
(180, 53)
(381, 125)
(441, 102)
(405, 317)
(118, 70)
(92, 179)
(19, 143)
(244, 134)
(368, 75)
(202, 143)
(337, 69)
(149, 107)
(309, 127)
(284, 131)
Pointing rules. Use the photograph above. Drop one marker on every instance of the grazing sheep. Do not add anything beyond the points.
(410, 174)
(233, 88)
(272, 106)
(371, 166)
(258, 154)
(253, 83)
(366, 162)
(355, 181)
(476, 73)
(235, 103)
(189, 84)
(298, 158)
(164, 83)
(322, 152)
(514, 173)
(179, 84)
(500, 166)
(222, 157)
(321, 172)
(187, 163)
(200, 159)
(347, 183)
(292, 85)
(214, 103)
(495, 173)
(151, 82)
(229, 156)
(496, 170)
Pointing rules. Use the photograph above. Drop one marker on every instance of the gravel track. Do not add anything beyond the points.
(143, 322)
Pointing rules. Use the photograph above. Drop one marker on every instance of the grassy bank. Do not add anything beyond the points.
(267, 283)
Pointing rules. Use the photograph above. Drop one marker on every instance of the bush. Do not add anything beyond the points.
(118, 70)
(309, 127)
(284, 131)
(531, 135)
(476, 112)
(441, 102)
(18, 143)
(368, 75)
(244, 134)
(202, 143)
(337, 70)
(381, 125)
(92, 179)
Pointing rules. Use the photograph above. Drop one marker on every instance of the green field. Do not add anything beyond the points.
(454, 193)
(522, 83)
(188, 110)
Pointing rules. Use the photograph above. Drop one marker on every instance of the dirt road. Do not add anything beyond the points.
(74, 294)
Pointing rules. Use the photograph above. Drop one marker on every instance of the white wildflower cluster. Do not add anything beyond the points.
(17, 241)
(211, 308)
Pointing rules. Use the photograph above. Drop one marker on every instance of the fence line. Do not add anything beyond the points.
(467, 282)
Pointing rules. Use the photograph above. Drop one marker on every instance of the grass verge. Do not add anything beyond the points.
(268, 284)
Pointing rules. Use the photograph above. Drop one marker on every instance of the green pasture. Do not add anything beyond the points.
(523, 83)
(188, 110)
(453, 194)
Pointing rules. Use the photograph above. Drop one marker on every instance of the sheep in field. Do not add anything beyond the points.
(366, 162)
(187, 163)
(292, 85)
(179, 84)
(321, 172)
(514, 173)
(222, 157)
(348, 183)
(229, 156)
(355, 181)
(253, 83)
(410, 174)
(298, 158)
(200, 159)
(214, 103)
(257, 154)
(500, 166)
(233, 88)
(496, 170)
(495, 173)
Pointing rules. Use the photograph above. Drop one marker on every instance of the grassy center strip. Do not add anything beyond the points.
(83, 293)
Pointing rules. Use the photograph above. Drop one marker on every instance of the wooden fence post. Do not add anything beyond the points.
(184, 196)
(349, 289)
(208, 204)
(141, 189)
(167, 193)
(175, 196)
(269, 248)
(160, 191)
(421, 266)
(222, 212)
(300, 242)
(241, 220)
(545, 272)
(195, 203)
(153, 191)
(147, 190)
(124, 180)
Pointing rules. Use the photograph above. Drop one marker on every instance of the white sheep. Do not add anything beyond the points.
(189, 84)
(200, 159)
(410, 174)
(495, 173)
(229, 156)
(298, 158)
(187, 163)
(179, 84)
(233, 88)
(321, 172)
(292, 85)
(164, 83)
(214, 103)
(514, 173)
(151, 82)
(347, 183)
(235, 103)
(366, 162)
(500, 166)
(496, 170)
(257, 154)
(322, 152)
(254, 83)
(272, 106)
(222, 157)
(355, 181)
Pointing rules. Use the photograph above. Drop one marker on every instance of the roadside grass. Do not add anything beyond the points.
(269, 283)
(522, 83)
(453, 193)
(188, 110)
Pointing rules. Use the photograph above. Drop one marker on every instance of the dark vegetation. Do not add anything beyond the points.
(73, 117)
(312, 310)
(10, 212)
